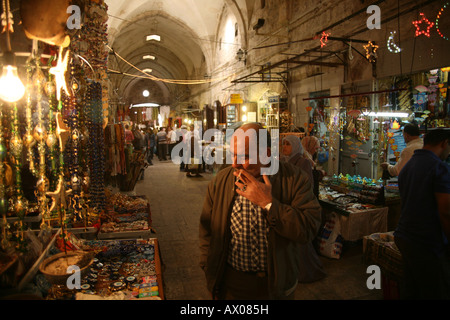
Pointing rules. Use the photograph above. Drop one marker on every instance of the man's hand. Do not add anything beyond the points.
(259, 193)
(385, 165)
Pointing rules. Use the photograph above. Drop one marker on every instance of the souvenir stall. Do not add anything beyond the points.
(53, 154)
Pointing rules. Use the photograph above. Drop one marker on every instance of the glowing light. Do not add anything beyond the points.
(392, 47)
(437, 21)
(154, 37)
(146, 93)
(324, 39)
(59, 73)
(417, 24)
(371, 51)
(387, 114)
(149, 57)
(11, 88)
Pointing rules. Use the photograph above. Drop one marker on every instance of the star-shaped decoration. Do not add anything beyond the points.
(59, 195)
(371, 51)
(418, 23)
(324, 39)
(59, 72)
(62, 131)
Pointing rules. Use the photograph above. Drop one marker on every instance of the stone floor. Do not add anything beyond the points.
(176, 203)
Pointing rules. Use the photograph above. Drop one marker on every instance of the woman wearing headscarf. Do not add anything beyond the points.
(311, 268)
(293, 153)
(311, 145)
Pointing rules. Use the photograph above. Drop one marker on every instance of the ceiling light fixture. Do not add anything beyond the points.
(147, 70)
(146, 93)
(154, 37)
(149, 57)
(387, 114)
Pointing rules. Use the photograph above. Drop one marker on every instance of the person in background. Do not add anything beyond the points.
(252, 225)
(311, 146)
(423, 230)
(292, 152)
(150, 140)
(171, 140)
(411, 135)
(161, 138)
(311, 267)
(129, 136)
(181, 134)
(192, 140)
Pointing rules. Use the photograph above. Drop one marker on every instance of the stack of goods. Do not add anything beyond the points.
(122, 269)
(126, 213)
(361, 189)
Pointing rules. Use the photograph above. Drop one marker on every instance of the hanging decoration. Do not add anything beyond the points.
(392, 47)
(59, 72)
(418, 23)
(371, 51)
(3, 200)
(437, 21)
(324, 39)
(94, 123)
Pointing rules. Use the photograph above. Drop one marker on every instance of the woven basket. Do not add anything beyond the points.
(380, 250)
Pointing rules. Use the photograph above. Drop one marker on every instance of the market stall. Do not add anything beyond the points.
(352, 208)
(126, 217)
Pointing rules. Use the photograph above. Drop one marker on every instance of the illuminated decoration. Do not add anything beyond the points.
(395, 125)
(59, 73)
(324, 39)
(11, 88)
(418, 23)
(371, 51)
(392, 47)
(437, 21)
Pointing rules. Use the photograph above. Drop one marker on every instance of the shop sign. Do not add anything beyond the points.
(274, 99)
(236, 99)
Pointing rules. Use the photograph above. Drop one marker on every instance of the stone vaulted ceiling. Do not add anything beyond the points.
(187, 29)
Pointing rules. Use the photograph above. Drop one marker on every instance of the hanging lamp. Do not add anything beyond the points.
(11, 87)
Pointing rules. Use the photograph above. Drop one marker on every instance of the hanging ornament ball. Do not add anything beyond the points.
(75, 86)
(39, 133)
(3, 206)
(19, 208)
(75, 182)
(51, 140)
(16, 146)
(29, 140)
(3, 152)
(50, 88)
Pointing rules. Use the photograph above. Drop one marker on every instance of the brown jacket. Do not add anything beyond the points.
(294, 219)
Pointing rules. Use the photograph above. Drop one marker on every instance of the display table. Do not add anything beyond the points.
(121, 270)
(354, 225)
(362, 223)
(126, 217)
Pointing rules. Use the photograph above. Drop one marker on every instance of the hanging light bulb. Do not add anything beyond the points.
(11, 88)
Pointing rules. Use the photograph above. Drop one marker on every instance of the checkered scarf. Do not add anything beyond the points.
(249, 230)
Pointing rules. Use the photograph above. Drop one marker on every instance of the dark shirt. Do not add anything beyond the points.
(423, 176)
